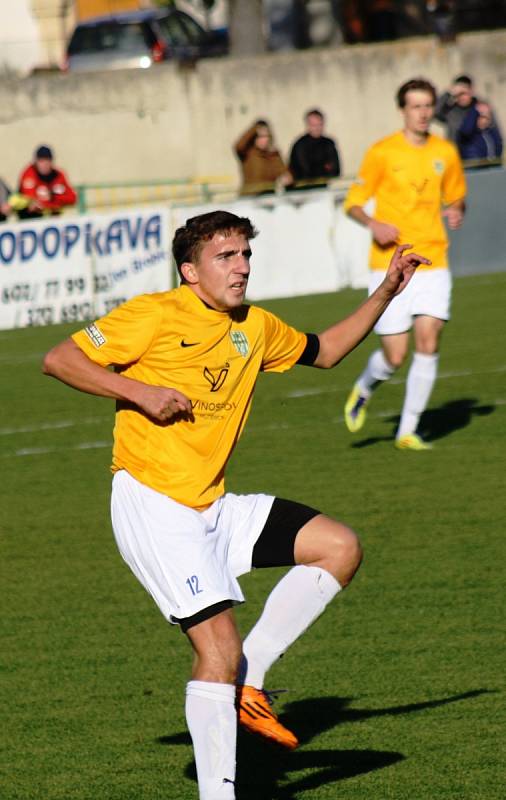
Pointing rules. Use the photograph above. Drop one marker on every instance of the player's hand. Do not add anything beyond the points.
(402, 268)
(383, 233)
(163, 404)
(455, 217)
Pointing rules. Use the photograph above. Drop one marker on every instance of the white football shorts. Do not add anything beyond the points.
(187, 560)
(428, 293)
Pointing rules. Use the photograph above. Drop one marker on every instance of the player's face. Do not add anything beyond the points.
(418, 112)
(220, 276)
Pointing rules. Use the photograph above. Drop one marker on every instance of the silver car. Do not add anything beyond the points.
(139, 39)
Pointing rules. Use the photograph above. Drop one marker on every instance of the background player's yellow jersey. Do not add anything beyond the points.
(173, 339)
(410, 185)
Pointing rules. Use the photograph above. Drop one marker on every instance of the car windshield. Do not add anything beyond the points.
(122, 37)
(173, 31)
(194, 31)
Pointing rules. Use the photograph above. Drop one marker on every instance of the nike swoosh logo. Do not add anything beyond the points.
(188, 344)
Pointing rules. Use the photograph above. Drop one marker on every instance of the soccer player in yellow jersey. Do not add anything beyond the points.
(416, 178)
(185, 366)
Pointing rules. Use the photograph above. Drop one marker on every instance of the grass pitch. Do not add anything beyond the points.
(395, 693)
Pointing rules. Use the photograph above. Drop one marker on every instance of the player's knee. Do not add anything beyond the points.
(343, 554)
(349, 556)
(427, 346)
(396, 360)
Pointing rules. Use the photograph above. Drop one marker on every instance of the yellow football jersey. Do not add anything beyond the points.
(410, 184)
(173, 339)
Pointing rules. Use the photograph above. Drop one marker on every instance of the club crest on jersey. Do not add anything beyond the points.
(240, 342)
(438, 166)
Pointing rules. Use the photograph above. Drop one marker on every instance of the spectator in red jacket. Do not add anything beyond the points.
(44, 188)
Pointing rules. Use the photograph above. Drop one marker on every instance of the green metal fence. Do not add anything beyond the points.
(102, 196)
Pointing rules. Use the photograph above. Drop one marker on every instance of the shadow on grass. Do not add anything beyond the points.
(436, 423)
(452, 416)
(262, 766)
(260, 770)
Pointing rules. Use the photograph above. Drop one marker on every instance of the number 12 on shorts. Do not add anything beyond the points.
(193, 585)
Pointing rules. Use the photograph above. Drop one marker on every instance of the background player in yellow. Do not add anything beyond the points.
(185, 366)
(416, 179)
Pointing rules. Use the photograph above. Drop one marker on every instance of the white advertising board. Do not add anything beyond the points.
(74, 269)
(307, 245)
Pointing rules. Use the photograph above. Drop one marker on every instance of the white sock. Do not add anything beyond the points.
(293, 605)
(212, 721)
(378, 369)
(421, 378)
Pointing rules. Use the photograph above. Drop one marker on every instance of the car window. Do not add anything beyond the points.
(173, 31)
(122, 37)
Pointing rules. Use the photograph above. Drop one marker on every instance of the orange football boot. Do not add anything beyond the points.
(256, 715)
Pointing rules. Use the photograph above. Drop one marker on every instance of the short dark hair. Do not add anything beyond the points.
(465, 79)
(191, 237)
(314, 112)
(415, 85)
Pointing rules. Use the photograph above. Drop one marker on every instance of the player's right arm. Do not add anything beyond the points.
(71, 365)
(383, 233)
(120, 338)
(365, 187)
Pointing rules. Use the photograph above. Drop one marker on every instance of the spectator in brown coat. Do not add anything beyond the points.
(261, 163)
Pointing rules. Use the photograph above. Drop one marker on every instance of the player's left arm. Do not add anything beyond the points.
(62, 193)
(454, 190)
(454, 214)
(340, 339)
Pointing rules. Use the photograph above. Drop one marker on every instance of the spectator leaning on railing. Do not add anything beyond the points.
(479, 137)
(453, 105)
(261, 163)
(314, 157)
(5, 207)
(43, 188)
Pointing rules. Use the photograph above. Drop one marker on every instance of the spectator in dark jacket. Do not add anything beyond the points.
(479, 136)
(314, 157)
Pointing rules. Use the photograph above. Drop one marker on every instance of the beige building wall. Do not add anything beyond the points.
(55, 19)
(168, 122)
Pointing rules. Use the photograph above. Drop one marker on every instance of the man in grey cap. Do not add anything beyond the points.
(453, 105)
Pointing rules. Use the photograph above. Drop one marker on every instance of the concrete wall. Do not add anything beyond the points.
(170, 122)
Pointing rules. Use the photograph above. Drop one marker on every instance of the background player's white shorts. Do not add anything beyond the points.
(186, 559)
(428, 293)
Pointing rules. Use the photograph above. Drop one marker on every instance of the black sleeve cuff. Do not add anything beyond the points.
(311, 350)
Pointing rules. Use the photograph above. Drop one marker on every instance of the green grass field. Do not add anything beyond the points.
(396, 692)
